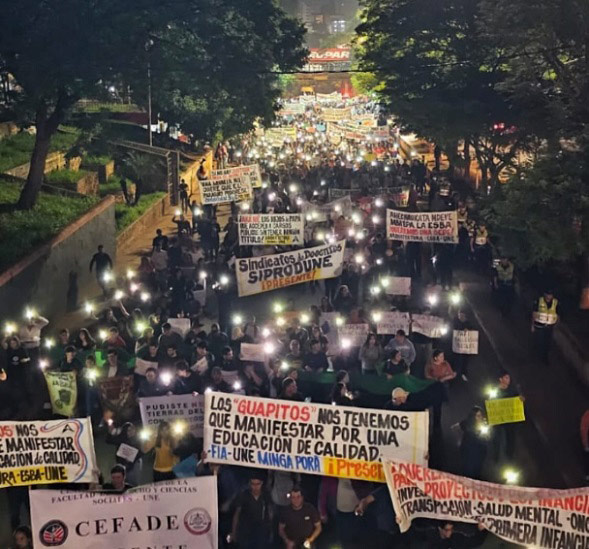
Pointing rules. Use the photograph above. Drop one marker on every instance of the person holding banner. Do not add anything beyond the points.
(23, 538)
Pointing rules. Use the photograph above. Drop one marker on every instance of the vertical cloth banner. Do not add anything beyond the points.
(271, 229)
(271, 272)
(63, 392)
(440, 227)
(185, 408)
(177, 513)
(505, 410)
(310, 438)
(536, 517)
(116, 396)
(43, 452)
(465, 342)
(391, 321)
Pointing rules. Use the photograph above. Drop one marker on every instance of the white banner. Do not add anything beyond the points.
(428, 325)
(46, 452)
(270, 272)
(180, 325)
(141, 366)
(231, 188)
(534, 517)
(465, 342)
(398, 285)
(189, 409)
(441, 227)
(271, 229)
(335, 115)
(310, 438)
(179, 513)
(356, 334)
(331, 210)
(252, 352)
(250, 174)
(392, 321)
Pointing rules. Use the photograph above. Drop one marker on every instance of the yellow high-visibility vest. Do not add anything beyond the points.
(545, 314)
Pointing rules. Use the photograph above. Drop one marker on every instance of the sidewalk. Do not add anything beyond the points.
(555, 400)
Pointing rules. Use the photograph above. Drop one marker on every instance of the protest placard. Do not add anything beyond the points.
(117, 397)
(44, 452)
(465, 342)
(428, 325)
(399, 196)
(141, 366)
(271, 229)
(392, 321)
(397, 285)
(63, 392)
(505, 410)
(335, 115)
(271, 272)
(440, 227)
(176, 513)
(301, 437)
(180, 325)
(186, 408)
(252, 352)
(334, 193)
(232, 188)
(249, 174)
(355, 334)
(533, 517)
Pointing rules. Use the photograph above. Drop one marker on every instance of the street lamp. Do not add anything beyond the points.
(148, 47)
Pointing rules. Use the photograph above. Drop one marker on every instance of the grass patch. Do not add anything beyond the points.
(96, 160)
(125, 215)
(113, 185)
(17, 149)
(65, 179)
(97, 106)
(22, 231)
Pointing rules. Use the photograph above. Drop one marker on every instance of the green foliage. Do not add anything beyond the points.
(22, 231)
(112, 185)
(147, 168)
(96, 160)
(66, 179)
(125, 215)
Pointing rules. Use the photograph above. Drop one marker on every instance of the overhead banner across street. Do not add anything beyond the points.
(180, 513)
(310, 438)
(43, 452)
(440, 227)
(271, 229)
(270, 272)
(534, 517)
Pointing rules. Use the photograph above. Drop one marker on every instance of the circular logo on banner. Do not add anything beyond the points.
(197, 521)
(54, 533)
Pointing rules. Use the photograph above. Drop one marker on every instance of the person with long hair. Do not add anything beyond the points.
(85, 341)
(163, 446)
(371, 354)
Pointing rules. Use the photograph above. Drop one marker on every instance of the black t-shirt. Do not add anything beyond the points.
(299, 523)
(254, 512)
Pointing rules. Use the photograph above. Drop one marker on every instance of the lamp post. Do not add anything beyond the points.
(148, 47)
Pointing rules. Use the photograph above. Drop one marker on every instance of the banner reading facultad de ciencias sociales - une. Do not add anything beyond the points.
(179, 513)
(271, 229)
(270, 272)
(440, 227)
(312, 438)
(186, 408)
(43, 452)
(534, 517)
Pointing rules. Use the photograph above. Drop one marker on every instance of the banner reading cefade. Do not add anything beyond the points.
(271, 229)
(439, 227)
(536, 517)
(42, 452)
(177, 513)
(187, 408)
(270, 272)
(310, 438)
(226, 188)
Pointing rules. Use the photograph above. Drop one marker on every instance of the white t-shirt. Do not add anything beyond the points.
(346, 500)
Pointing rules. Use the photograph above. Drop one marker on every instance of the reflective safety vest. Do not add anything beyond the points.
(480, 238)
(461, 217)
(505, 274)
(545, 314)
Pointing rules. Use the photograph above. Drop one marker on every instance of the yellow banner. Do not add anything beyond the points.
(505, 410)
(63, 392)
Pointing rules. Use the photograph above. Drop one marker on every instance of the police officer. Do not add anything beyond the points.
(544, 317)
(503, 285)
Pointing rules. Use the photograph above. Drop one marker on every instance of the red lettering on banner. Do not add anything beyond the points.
(276, 410)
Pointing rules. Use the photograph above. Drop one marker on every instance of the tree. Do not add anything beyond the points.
(439, 77)
(225, 50)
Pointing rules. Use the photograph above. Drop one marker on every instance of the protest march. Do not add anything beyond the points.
(302, 363)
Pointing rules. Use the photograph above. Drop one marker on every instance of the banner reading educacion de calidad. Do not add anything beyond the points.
(45, 452)
(439, 227)
(271, 272)
(303, 437)
(536, 517)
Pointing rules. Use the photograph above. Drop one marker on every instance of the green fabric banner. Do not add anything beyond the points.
(63, 392)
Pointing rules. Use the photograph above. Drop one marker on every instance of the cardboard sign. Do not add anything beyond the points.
(127, 452)
(356, 334)
(398, 285)
(176, 513)
(392, 321)
(170, 408)
(505, 410)
(141, 366)
(428, 325)
(465, 342)
(532, 517)
(271, 229)
(440, 227)
(301, 437)
(252, 352)
(63, 392)
(232, 188)
(271, 272)
(45, 452)
(180, 325)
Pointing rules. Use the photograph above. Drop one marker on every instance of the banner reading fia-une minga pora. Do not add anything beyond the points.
(303, 437)
(534, 517)
(271, 272)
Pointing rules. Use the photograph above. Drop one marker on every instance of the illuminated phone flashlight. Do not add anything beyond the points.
(284, 365)
(178, 427)
(272, 197)
(385, 281)
(237, 385)
(511, 476)
(43, 364)
(309, 217)
(197, 211)
(145, 297)
(484, 430)
(269, 347)
(177, 212)
(323, 182)
(377, 316)
(314, 215)
(30, 313)
(91, 374)
(375, 290)
(107, 277)
(140, 326)
(359, 159)
(119, 295)
(345, 343)
(379, 261)
(351, 233)
(337, 208)
(109, 422)
(278, 307)
(224, 280)
(356, 218)
(360, 236)
(339, 321)
(133, 287)
(305, 318)
(375, 219)
(265, 332)
(208, 390)
(166, 378)
(320, 236)
(293, 188)
(89, 307)
(432, 299)
(444, 330)
(144, 434)
(359, 258)
(237, 319)
(102, 334)
(271, 164)
(49, 343)
(299, 202)
(387, 169)
(374, 163)
(245, 206)
(491, 392)
(280, 321)
(455, 298)
(238, 154)
(379, 203)
(10, 328)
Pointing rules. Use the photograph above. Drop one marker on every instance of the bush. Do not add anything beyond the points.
(125, 215)
(66, 179)
(96, 160)
(22, 231)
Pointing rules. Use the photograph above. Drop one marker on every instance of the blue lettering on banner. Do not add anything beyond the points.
(218, 452)
(274, 459)
(308, 463)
